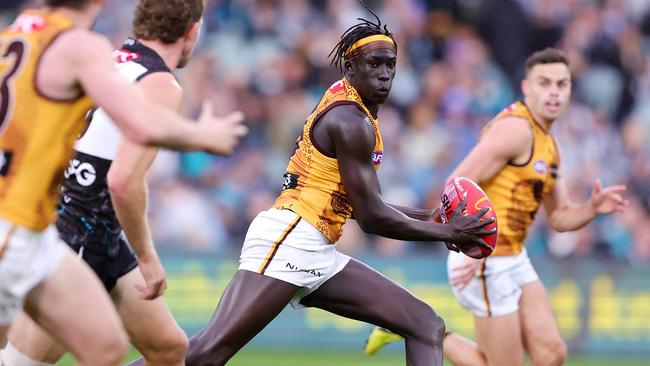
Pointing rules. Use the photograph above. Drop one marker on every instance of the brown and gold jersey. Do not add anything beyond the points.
(36, 132)
(312, 187)
(517, 190)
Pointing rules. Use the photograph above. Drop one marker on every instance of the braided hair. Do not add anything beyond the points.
(354, 33)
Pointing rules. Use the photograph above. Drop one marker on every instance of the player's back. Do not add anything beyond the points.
(518, 189)
(86, 214)
(36, 132)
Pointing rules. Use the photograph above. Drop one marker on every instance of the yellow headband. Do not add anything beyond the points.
(367, 40)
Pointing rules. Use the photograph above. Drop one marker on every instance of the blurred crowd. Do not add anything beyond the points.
(459, 63)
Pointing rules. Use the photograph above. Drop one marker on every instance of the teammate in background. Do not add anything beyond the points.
(166, 33)
(52, 66)
(289, 256)
(509, 302)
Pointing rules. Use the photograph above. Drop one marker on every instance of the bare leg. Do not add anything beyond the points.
(34, 342)
(461, 351)
(150, 325)
(248, 304)
(83, 320)
(492, 336)
(542, 339)
(361, 293)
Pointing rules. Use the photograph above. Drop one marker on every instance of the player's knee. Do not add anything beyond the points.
(108, 350)
(428, 326)
(554, 353)
(557, 353)
(438, 328)
(204, 350)
(170, 349)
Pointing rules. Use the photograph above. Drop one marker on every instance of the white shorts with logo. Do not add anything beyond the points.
(27, 258)
(282, 245)
(497, 286)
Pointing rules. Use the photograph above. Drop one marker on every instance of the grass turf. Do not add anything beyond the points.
(259, 357)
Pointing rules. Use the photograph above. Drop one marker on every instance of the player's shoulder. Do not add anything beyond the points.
(347, 114)
(163, 87)
(515, 126)
(81, 38)
(509, 136)
(81, 44)
(161, 82)
(348, 124)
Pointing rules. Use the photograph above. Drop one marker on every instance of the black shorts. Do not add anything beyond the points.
(109, 269)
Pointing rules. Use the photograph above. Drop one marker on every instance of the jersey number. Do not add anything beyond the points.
(15, 50)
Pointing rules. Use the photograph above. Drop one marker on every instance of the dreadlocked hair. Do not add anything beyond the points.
(354, 33)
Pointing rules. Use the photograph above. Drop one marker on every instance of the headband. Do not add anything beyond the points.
(369, 44)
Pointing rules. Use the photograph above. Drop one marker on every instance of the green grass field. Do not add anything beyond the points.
(346, 358)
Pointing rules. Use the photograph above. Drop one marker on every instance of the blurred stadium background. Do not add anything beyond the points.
(459, 63)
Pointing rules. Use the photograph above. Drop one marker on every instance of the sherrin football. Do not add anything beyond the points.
(455, 189)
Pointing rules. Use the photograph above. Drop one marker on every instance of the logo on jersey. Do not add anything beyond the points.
(28, 23)
(554, 171)
(337, 87)
(511, 108)
(290, 181)
(5, 162)
(540, 167)
(84, 172)
(122, 56)
(377, 157)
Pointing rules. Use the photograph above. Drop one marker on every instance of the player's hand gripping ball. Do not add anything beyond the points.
(455, 189)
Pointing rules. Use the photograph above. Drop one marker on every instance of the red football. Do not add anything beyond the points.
(457, 188)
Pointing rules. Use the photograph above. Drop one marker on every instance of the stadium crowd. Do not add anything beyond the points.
(459, 63)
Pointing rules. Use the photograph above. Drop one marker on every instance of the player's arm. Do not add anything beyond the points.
(139, 119)
(128, 187)
(507, 140)
(353, 143)
(416, 213)
(565, 215)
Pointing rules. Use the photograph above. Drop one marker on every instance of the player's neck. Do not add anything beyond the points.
(170, 53)
(544, 123)
(81, 18)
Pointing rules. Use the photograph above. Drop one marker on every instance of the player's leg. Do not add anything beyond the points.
(83, 320)
(541, 336)
(499, 339)
(361, 293)
(30, 344)
(149, 323)
(461, 351)
(248, 304)
(458, 349)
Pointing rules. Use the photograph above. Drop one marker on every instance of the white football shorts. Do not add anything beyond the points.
(497, 286)
(26, 258)
(282, 245)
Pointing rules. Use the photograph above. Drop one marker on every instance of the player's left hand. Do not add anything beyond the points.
(154, 277)
(607, 200)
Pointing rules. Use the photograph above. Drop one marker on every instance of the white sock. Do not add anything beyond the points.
(11, 356)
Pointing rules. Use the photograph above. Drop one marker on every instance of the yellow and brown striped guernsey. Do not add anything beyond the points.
(517, 190)
(36, 132)
(312, 186)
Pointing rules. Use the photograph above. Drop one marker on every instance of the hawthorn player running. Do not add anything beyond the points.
(509, 303)
(288, 255)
